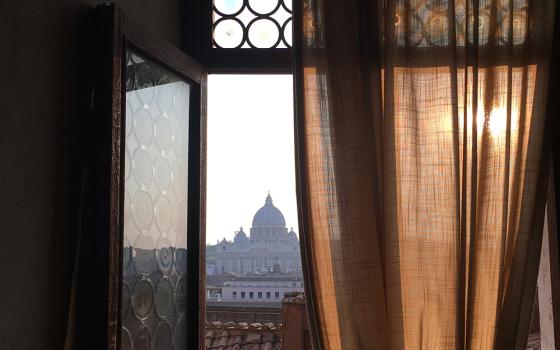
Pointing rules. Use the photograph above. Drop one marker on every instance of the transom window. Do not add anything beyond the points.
(252, 23)
(239, 36)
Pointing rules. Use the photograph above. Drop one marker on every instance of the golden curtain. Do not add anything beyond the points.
(423, 160)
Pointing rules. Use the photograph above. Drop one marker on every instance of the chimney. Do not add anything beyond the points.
(294, 316)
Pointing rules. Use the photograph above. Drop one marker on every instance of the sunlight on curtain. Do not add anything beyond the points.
(423, 153)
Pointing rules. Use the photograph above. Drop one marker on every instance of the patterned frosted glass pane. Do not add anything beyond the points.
(155, 208)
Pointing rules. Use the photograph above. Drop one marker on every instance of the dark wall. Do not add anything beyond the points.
(41, 79)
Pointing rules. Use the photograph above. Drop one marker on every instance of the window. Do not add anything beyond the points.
(234, 295)
(239, 36)
(251, 24)
(250, 143)
(150, 115)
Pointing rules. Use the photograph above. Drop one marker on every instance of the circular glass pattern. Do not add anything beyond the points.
(163, 336)
(263, 33)
(162, 172)
(143, 127)
(179, 139)
(484, 19)
(288, 33)
(142, 339)
(163, 134)
(228, 7)
(180, 219)
(142, 210)
(181, 99)
(127, 211)
(180, 334)
(181, 294)
(180, 178)
(228, 33)
(126, 165)
(142, 298)
(126, 339)
(144, 255)
(408, 27)
(142, 167)
(164, 297)
(128, 117)
(125, 300)
(181, 260)
(519, 27)
(131, 234)
(263, 7)
(164, 255)
(437, 26)
(164, 97)
(233, 20)
(163, 213)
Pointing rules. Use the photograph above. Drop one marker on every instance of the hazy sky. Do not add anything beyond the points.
(250, 151)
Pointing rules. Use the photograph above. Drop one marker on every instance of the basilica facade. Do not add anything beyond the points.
(269, 246)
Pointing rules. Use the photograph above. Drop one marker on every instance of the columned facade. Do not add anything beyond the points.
(269, 243)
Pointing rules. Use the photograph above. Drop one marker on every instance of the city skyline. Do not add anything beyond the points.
(248, 223)
(250, 151)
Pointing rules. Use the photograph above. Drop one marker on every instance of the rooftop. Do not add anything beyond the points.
(243, 336)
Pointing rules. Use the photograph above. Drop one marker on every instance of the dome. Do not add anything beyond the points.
(292, 236)
(269, 215)
(241, 237)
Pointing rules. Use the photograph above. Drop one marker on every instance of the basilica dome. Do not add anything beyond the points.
(269, 216)
(241, 237)
(292, 236)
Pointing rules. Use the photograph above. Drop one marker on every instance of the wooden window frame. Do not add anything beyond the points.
(98, 317)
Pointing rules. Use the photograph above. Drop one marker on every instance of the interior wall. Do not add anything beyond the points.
(41, 74)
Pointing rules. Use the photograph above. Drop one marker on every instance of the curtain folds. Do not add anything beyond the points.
(422, 143)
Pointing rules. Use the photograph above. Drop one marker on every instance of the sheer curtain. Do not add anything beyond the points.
(423, 162)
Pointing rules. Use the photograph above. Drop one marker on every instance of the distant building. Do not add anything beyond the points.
(260, 289)
(269, 244)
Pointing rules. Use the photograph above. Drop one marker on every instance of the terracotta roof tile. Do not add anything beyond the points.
(250, 347)
(242, 336)
(267, 337)
(266, 346)
(253, 338)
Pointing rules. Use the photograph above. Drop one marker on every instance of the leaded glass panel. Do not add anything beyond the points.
(155, 207)
(252, 23)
